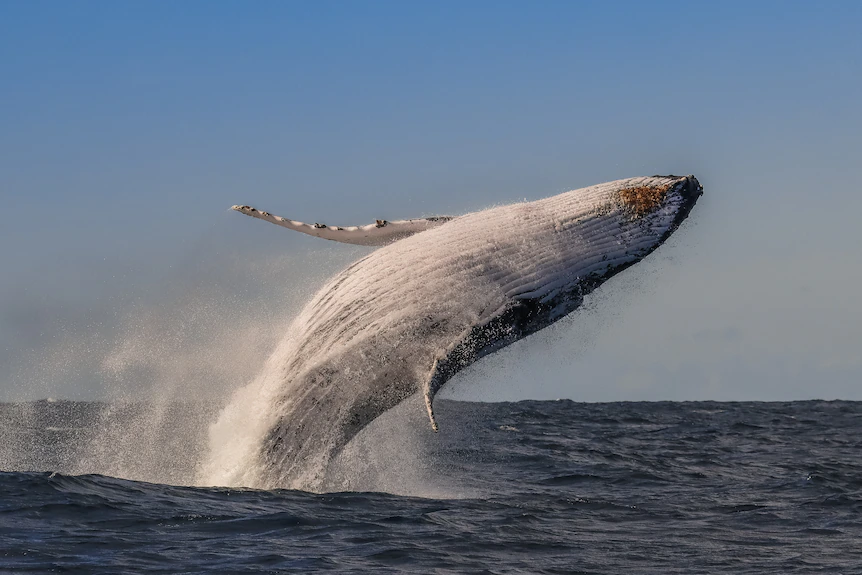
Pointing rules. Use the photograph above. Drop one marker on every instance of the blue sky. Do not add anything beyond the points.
(128, 129)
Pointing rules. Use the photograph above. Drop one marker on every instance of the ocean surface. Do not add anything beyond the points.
(527, 487)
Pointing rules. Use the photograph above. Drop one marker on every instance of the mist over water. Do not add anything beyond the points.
(161, 355)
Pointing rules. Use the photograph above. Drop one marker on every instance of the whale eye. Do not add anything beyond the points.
(641, 200)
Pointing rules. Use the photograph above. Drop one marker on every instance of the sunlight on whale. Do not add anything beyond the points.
(437, 295)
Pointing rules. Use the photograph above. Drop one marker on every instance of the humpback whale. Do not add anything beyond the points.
(438, 294)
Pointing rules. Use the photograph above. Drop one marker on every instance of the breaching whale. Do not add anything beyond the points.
(436, 296)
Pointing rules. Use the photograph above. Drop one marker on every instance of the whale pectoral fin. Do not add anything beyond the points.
(429, 390)
(492, 331)
(430, 407)
(472, 344)
(377, 234)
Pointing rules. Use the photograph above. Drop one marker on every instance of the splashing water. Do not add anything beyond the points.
(162, 369)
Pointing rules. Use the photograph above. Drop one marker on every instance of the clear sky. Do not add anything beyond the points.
(128, 129)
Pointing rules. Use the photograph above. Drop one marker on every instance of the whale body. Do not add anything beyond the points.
(437, 295)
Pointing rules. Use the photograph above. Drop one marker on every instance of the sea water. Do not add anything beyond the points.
(526, 487)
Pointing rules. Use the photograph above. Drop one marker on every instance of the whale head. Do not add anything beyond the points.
(655, 205)
(615, 225)
(663, 204)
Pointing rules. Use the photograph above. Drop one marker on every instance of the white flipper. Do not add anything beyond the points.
(377, 234)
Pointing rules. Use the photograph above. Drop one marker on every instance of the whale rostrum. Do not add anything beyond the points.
(438, 294)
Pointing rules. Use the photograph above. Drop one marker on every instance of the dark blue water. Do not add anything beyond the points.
(552, 487)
